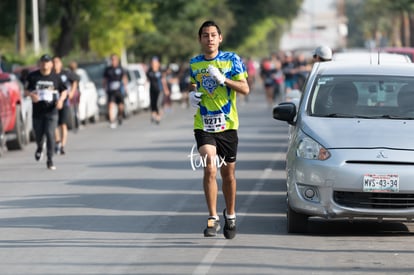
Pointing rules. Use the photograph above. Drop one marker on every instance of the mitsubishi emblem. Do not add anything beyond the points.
(381, 155)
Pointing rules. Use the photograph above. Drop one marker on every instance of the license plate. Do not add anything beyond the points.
(381, 183)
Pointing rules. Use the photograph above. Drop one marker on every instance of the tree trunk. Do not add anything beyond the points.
(406, 29)
(21, 38)
(411, 20)
(44, 37)
(396, 31)
(65, 42)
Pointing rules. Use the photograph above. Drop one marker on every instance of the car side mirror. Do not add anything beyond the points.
(285, 111)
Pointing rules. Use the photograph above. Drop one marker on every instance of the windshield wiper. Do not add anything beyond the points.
(392, 117)
(388, 116)
(340, 115)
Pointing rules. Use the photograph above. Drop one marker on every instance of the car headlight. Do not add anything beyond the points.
(310, 149)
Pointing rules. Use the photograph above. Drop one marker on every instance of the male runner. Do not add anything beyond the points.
(216, 77)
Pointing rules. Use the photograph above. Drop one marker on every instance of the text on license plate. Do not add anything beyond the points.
(381, 183)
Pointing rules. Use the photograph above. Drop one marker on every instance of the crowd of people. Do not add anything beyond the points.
(54, 89)
(284, 72)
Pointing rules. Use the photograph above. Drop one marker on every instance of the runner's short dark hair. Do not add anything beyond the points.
(208, 24)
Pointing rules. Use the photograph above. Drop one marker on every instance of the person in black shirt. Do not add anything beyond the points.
(70, 79)
(115, 82)
(48, 94)
(158, 84)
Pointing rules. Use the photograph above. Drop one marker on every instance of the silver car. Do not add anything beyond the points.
(351, 144)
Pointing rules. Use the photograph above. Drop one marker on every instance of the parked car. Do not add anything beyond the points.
(2, 134)
(351, 149)
(88, 109)
(14, 116)
(138, 74)
(95, 72)
(132, 98)
(407, 51)
(21, 73)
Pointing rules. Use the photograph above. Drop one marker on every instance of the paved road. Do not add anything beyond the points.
(127, 201)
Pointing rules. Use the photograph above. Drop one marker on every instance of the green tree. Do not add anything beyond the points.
(153, 27)
(259, 25)
(380, 20)
(177, 22)
(103, 26)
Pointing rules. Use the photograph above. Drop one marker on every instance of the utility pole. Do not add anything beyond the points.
(21, 33)
(35, 15)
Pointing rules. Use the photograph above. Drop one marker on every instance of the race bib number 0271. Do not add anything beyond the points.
(214, 123)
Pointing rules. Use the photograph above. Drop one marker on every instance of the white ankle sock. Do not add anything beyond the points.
(231, 217)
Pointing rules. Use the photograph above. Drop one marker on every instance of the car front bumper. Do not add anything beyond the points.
(334, 188)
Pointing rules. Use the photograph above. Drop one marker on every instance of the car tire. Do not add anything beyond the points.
(2, 140)
(127, 108)
(19, 131)
(28, 130)
(296, 222)
(95, 118)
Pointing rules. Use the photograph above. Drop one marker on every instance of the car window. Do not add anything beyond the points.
(363, 96)
(137, 74)
(95, 72)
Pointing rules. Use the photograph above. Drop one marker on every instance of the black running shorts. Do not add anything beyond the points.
(226, 142)
(64, 115)
(115, 96)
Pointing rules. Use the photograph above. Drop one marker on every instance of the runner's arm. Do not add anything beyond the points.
(240, 86)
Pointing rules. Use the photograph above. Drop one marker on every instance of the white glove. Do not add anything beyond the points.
(216, 74)
(194, 98)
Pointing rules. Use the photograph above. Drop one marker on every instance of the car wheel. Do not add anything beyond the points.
(27, 130)
(95, 117)
(19, 131)
(296, 222)
(127, 108)
(2, 140)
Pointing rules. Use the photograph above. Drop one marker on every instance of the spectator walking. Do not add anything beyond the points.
(251, 80)
(158, 85)
(288, 68)
(216, 78)
(48, 94)
(270, 75)
(74, 98)
(71, 81)
(115, 82)
(185, 84)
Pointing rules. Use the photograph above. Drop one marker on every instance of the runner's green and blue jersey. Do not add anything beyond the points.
(218, 110)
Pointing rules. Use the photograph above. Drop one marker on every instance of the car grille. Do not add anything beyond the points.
(374, 200)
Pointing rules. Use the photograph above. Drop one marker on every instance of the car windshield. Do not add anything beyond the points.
(95, 72)
(390, 97)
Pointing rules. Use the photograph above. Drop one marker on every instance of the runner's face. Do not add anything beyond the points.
(155, 64)
(210, 40)
(46, 67)
(115, 61)
(57, 63)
